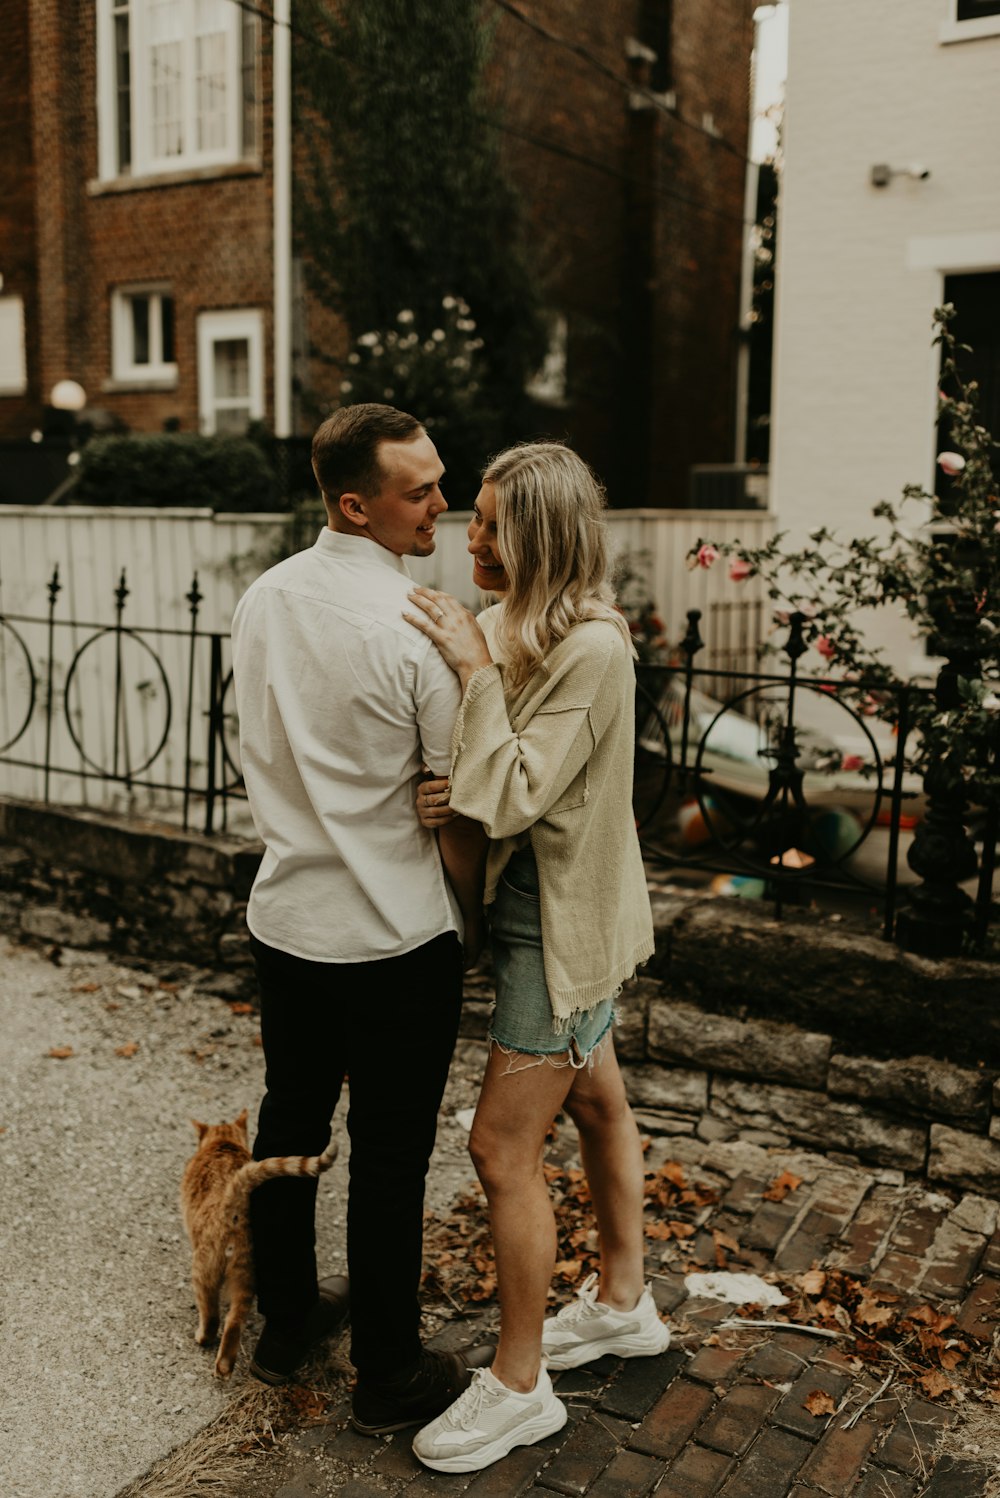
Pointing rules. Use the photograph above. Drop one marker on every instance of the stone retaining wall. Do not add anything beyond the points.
(798, 1031)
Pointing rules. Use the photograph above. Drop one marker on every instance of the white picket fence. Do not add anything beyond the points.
(160, 551)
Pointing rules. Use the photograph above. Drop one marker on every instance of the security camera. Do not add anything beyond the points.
(917, 172)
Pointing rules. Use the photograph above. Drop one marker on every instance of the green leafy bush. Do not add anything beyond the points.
(163, 470)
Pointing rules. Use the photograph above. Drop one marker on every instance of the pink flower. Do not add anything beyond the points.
(826, 647)
(851, 762)
(739, 570)
(707, 554)
(951, 463)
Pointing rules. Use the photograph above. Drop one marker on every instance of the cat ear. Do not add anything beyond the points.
(241, 1121)
(200, 1129)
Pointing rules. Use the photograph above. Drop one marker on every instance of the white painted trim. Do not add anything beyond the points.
(954, 30)
(144, 162)
(954, 252)
(213, 327)
(13, 367)
(107, 150)
(124, 370)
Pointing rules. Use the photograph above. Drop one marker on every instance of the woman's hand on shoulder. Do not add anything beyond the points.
(433, 797)
(453, 630)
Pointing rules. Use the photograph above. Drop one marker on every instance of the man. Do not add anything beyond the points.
(354, 927)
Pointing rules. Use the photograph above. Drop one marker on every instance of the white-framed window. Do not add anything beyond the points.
(13, 369)
(142, 335)
(968, 19)
(177, 85)
(230, 369)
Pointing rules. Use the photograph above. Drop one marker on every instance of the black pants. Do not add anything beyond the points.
(388, 1026)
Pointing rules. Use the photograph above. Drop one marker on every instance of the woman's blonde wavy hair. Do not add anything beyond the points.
(552, 539)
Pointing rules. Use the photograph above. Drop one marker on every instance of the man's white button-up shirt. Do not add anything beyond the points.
(340, 700)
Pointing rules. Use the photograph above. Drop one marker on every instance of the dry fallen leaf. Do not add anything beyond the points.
(819, 1402)
(813, 1282)
(935, 1383)
(779, 1188)
(238, 1006)
(725, 1241)
(127, 1050)
(61, 1052)
(86, 987)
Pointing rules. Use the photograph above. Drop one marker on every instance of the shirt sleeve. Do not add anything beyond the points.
(508, 779)
(438, 697)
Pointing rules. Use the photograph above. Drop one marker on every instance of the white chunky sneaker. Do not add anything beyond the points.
(486, 1421)
(586, 1329)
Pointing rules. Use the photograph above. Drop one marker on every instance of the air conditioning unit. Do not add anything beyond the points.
(728, 486)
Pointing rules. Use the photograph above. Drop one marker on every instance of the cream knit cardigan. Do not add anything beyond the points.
(554, 762)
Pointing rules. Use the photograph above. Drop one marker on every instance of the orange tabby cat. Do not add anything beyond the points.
(215, 1196)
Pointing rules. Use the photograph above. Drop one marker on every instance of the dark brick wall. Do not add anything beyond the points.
(17, 205)
(584, 230)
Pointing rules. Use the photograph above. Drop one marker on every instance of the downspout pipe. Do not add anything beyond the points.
(282, 195)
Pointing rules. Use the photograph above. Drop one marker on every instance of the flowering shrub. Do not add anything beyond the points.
(437, 374)
(944, 575)
(645, 624)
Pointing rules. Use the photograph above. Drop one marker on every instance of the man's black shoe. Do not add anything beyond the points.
(277, 1356)
(379, 1408)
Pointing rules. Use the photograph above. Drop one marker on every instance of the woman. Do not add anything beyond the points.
(542, 757)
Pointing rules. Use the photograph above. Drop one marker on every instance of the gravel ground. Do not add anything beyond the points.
(97, 1317)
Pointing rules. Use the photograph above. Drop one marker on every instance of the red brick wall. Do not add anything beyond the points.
(18, 414)
(208, 238)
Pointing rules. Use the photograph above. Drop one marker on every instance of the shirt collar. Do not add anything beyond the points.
(358, 549)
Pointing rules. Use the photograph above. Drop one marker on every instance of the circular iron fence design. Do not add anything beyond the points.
(131, 770)
(784, 786)
(32, 685)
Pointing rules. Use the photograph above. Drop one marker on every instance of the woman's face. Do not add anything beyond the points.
(488, 570)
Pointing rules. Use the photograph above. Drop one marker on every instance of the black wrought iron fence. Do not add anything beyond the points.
(776, 779)
(145, 710)
(784, 784)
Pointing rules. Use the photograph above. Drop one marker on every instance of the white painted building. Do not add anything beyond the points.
(912, 86)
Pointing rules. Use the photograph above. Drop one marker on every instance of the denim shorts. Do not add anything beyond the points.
(522, 1020)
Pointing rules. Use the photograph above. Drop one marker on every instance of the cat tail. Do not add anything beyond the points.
(255, 1172)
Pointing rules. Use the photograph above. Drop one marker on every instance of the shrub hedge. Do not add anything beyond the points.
(176, 469)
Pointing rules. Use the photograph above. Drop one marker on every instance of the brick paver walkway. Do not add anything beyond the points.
(723, 1412)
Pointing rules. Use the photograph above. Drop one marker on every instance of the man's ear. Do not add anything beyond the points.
(352, 507)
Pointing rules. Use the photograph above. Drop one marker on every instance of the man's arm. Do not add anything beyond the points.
(463, 844)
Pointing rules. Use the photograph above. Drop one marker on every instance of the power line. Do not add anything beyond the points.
(619, 79)
(609, 171)
(553, 147)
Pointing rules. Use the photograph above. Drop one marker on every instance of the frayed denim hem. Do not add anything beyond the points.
(572, 1057)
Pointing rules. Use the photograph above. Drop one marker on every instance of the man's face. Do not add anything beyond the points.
(401, 516)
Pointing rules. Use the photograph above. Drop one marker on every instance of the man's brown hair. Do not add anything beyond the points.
(345, 447)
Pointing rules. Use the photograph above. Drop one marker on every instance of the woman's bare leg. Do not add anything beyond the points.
(520, 1097)
(612, 1158)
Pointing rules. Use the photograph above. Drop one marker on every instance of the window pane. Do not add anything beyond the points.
(232, 419)
(167, 329)
(123, 88)
(210, 89)
(231, 368)
(166, 62)
(140, 329)
(971, 10)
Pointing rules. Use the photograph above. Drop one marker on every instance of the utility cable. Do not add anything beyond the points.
(619, 79)
(553, 147)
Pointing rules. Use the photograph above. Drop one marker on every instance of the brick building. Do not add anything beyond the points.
(146, 155)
